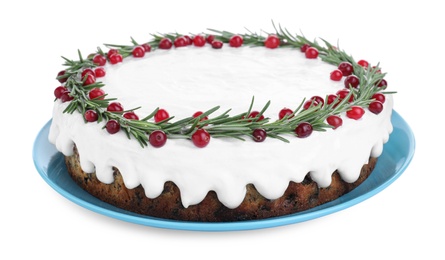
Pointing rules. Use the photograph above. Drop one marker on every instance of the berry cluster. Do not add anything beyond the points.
(81, 77)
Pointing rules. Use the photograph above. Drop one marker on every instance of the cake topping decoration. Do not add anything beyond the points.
(364, 88)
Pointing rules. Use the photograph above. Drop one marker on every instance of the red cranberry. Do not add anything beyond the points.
(180, 42)
(99, 60)
(259, 135)
(346, 68)
(115, 107)
(236, 41)
(99, 72)
(201, 138)
(336, 75)
(157, 138)
(91, 116)
(97, 93)
(334, 121)
(65, 97)
(379, 97)
(311, 53)
(161, 115)
(165, 44)
(375, 107)
(355, 112)
(304, 47)
(61, 76)
(216, 44)
(138, 52)
(352, 81)
(147, 47)
(272, 41)
(303, 130)
(363, 63)
(59, 91)
(210, 38)
(254, 114)
(131, 115)
(285, 112)
(115, 58)
(199, 41)
(112, 126)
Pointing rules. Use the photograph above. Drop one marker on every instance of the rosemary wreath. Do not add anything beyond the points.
(222, 125)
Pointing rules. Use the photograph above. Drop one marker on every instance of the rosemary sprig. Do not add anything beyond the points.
(223, 125)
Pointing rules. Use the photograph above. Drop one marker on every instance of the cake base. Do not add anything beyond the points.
(297, 197)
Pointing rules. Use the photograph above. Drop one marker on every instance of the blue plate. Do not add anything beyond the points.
(396, 156)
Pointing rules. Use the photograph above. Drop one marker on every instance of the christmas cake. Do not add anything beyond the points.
(220, 126)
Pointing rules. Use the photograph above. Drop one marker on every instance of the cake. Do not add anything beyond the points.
(220, 126)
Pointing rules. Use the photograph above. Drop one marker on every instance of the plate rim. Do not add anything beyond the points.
(227, 226)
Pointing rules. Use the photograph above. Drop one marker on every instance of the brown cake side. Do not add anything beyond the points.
(297, 197)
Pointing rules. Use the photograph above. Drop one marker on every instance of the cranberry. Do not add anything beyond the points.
(198, 113)
(363, 63)
(236, 41)
(259, 135)
(304, 47)
(89, 79)
(91, 116)
(59, 91)
(99, 60)
(115, 58)
(352, 81)
(115, 107)
(210, 38)
(285, 112)
(165, 44)
(112, 126)
(180, 42)
(138, 52)
(147, 47)
(255, 114)
(201, 138)
(99, 72)
(216, 44)
(199, 41)
(318, 99)
(85, 72)
(272, 41)
(303, 130)
(334, 121)
(343, 93)
(346, 68)
(375, 107)
(161, 115)
(310, 103)
(131, 115)
(355, 112)
(60, 76)
(65, 97)
(332, 98)
(382, 84)
(188, 40)
(97, 93)
(336, 75)
(112, 52)
(157, 138)
(379, 97)
(311, 53)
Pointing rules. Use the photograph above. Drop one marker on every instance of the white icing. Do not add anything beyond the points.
(190, 79)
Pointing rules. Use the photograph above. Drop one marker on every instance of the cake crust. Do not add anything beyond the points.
(297, 197)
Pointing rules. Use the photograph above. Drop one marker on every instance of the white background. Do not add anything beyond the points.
(404, 220)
